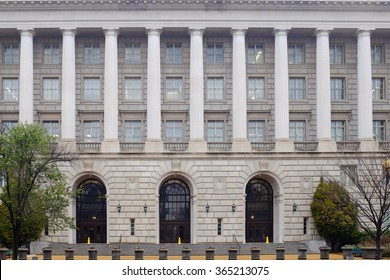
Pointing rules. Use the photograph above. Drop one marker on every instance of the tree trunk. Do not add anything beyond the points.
(378, 245)
(15, 244)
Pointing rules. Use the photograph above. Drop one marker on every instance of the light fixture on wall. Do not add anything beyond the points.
(233, 208)
(207, 207)
(119, 207)
(295, 207)
(145, 208)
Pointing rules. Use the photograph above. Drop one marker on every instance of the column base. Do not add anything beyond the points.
(69, 145)
(110, 146)
(284, 146)
(154, 146)
(325, 146)
(368, 145)
(241, 147)
(197, 146)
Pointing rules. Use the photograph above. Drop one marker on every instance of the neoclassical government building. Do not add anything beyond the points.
(208, 120)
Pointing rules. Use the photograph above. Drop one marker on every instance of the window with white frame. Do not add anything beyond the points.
(174, 131)
(174, 88)
(10, 89)
(347, 175)
(51, 54)
(256, 131)
(92, 54)
(133, 54)
(336, 53)
(214, 53)
(52, 128)
(91, 89)
(2, 181)
(297, 89)
(174, 54)
(215, 88)
(379, 130)
(133, 88)
(337, 89)
(91, 131)
(7, 125)
(377, 54)
(255, 53)
(215, 131)
(133, 131)
(298, 131)
(296, 54)
(256, 88)
(378, 88)
(51, 89)
(337, 130)
(11, 54)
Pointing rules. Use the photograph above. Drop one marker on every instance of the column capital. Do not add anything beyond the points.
(26, 31)
(111, 31)
(154, 31)
(364, 31)
(238, 31)
(323, 31)
(196, 31)
(281, 31)
(69, 31)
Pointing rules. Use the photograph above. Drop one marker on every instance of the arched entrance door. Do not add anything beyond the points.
(259, 211)
(175, 211)
(91, 215)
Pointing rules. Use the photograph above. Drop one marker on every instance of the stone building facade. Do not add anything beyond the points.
(211, 121)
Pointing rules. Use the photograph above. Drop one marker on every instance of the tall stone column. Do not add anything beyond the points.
(282, 119)
(68, 106)
(26, 77)
(323, 107)
(153, 141)
(197, 141)
(364, 88)
(240, 140)
(111, 141)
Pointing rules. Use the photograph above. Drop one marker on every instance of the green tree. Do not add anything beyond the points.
(335, 216)
(34, 194)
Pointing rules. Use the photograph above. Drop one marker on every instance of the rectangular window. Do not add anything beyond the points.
(174, 88)
(51, 90)
(336, 54)
(2, 181)
(132, 54)
(132, 227)
(11, 89)
(133, 88)
(174, 131)
(174, 54)
(51, 54)
(305, 225)
(256, 131)
(338, 130)
(215, 131)
(378, 88)
(296, 54)
(379, 130)
(11, 54)
(297, 131)
(133, 131)
(255, 53)
(256, 89)
(7, 125)
(52, 127)
(377, 54)
(219, 226)
(215, 88)
(91, 89)
(215, 54)
(337, 89)
(91, 131)
(297, 88)
(92, 54)
(348, 174)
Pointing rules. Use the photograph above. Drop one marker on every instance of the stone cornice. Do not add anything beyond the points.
(335, 5)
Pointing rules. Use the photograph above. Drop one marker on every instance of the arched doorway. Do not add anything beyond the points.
(91, 214)
(175, 212)
(259, 211)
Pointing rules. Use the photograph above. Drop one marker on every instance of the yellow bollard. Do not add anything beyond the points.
(89, 240)
(266, 239)
(179, 240)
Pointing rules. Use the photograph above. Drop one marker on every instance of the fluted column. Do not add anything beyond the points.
(26, 77)
(364, 86)
(282, 118)
(240, 142)
(68, 106)
(154, 92)
(197, 141)
(111, 141)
